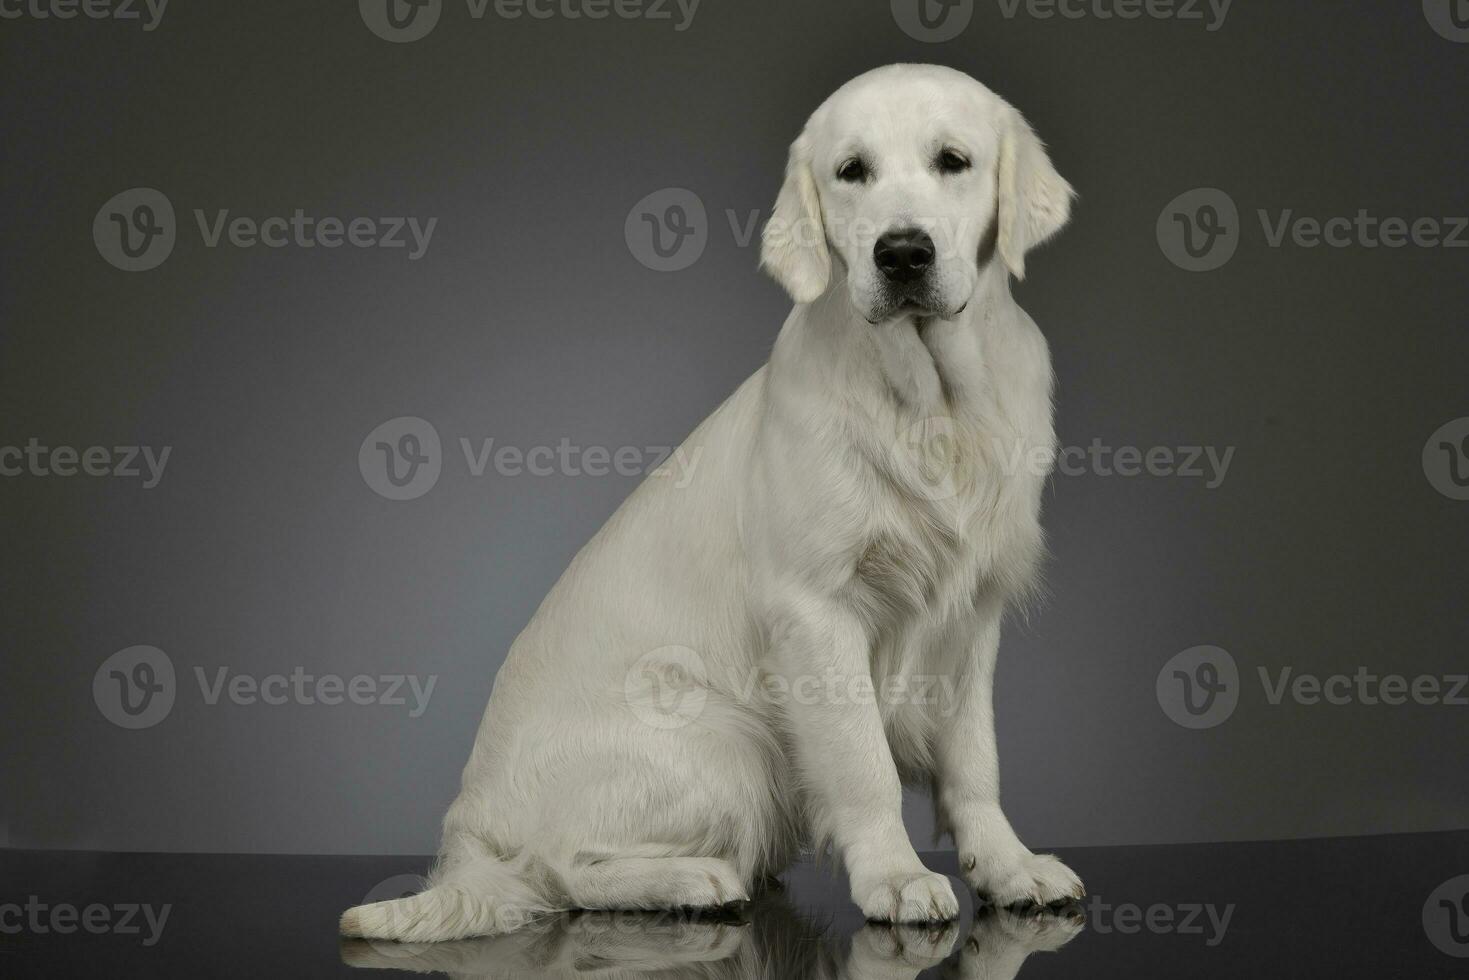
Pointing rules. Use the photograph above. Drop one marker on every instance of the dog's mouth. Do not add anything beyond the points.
(913, 308)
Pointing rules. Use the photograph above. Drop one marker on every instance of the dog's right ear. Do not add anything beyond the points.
(793, 245)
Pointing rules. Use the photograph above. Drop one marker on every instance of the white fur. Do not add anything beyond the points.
(857, 513)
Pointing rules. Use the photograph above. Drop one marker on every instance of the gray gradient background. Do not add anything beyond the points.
(528, 321)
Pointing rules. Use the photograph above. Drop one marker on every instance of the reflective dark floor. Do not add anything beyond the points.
(1364, 907)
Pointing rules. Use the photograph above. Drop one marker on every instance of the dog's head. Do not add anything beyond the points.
(913, 177)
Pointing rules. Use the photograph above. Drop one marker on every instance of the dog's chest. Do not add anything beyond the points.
(957, 509)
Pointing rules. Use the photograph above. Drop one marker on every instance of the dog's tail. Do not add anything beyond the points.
(482, 897)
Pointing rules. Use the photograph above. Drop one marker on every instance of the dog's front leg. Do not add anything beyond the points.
(992, 859)
(820, 651)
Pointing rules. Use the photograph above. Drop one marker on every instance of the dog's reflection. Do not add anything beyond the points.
(768, 940)
(1001, 939)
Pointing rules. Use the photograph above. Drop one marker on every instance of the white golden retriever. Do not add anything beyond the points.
(757, 662)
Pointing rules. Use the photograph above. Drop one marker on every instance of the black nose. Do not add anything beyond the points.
(904, 255)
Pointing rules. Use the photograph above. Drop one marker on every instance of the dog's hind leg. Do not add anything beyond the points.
(655, 883)
(479, 897)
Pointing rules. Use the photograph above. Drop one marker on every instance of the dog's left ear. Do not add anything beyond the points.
(793, 245)
(1034, 200)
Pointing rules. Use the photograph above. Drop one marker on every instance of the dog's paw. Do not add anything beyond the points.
(1035, 879)
(1035, 928)
(909, 898)
(702, 883)
(903, 951)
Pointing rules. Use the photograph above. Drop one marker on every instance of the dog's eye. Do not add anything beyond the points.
(853, 171)
(952, 162)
